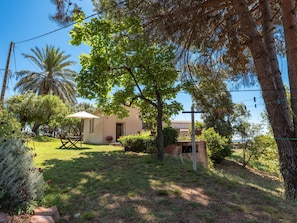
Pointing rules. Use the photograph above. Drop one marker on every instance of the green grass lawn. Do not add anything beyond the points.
(105, 184)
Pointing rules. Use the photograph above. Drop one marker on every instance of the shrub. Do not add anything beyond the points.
(9, 127)
(217, 145)
(170, 136)
(139, 143)
(20, 182)
(199, 125)
(261, 153)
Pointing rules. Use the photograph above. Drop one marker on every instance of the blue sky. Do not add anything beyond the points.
(24, 20)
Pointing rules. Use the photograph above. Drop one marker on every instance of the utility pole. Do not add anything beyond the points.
(5, 76)
(194, 155)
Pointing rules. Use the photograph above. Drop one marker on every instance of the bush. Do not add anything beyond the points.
(20, 182)
(139, 143)
(217, 145)
(9, 127)
(170, 136)
(261, 153)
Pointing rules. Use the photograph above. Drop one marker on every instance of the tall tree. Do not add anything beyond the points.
(35, 111)
(54, 76)
(65, 11)
(123, 68)
(212, 98)
(243, 37)
(23, 107)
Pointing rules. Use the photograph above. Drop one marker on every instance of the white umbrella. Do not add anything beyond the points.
(82, 115)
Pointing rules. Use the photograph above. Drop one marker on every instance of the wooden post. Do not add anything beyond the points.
(5, 76)
(194, 155)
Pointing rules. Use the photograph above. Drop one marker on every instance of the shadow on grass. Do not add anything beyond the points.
(129, 187)
(247, 175)
(74, 148)
(40, 138)
(236, 157)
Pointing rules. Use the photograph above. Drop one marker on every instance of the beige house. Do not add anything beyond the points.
(182, 126)
(96, 130)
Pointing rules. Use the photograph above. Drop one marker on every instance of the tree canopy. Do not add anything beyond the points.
(54, 75)
(240, 37)
(35, 111)
(123, 68)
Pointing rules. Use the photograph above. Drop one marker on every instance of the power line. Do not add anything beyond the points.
(120, 3)
(56, 30)
(66, 26)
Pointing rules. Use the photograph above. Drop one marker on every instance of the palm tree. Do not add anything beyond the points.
(53, 78)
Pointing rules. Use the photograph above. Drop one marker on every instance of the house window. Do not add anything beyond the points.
(91, 126)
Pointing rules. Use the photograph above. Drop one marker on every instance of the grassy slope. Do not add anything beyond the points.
(105, 184)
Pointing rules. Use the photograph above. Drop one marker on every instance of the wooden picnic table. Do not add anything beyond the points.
(70, 142)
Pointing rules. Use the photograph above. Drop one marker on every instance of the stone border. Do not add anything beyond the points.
(41, 215)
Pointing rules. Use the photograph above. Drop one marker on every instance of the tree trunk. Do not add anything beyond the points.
(35, 128)
(290, 30)
(274, 94)
(288, 153)
(160, 138)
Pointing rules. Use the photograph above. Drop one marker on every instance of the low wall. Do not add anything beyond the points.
(184, 149)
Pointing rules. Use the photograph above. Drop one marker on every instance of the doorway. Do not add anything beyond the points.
(119, 130)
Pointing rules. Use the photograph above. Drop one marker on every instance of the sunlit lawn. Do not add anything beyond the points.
(105, 184)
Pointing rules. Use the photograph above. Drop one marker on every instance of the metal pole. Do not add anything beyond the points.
(194, 156)
(5, 76)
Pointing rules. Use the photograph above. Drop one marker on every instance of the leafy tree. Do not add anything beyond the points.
(213, 99)
(54, 76)
(23, 107)
(65, 11)
(72, 124)
(35, 111)
(267, 156)
(256, 145)
(243, 38)
(49, 112)
(217, 145)
(123, 68)
(248, 133)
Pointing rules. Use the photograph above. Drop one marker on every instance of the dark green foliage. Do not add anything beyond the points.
(46, 111)
(139, 143)
(199, 125)
(53, 76)
(134, 71)
(217, 145)
(20, 182)
(259, 152)
(219, 156)
(170, 136)
(9, 127)
(212, 97)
